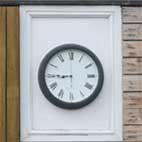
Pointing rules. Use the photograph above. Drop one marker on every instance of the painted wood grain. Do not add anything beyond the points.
(132, 100)
(132, 66)
(13, 74)
(132, 31)
(132, 83)
(2, 73)
(132, 14)
(133, 133)
(133, 116)
(132, 49)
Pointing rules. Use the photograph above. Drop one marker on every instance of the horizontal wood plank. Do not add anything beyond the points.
(133, 133)
(132, 49)
(132, 14)
(132, 83)
(132, 31)
(133, 116)
(132, 66)
(132, 100)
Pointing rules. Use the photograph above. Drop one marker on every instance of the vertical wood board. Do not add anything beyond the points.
(2, 73)
(13, 74)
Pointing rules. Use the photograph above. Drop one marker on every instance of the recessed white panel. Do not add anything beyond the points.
(96, 28)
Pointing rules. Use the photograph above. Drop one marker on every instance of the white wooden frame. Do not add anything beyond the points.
(27, 13)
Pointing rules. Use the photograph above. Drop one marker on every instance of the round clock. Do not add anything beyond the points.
(70, 76)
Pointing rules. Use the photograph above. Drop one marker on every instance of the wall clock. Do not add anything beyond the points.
(70, 76)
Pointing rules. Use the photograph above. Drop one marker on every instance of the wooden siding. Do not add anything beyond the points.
(9, 74)
(132, 73)
(13, 74)
(2, 74)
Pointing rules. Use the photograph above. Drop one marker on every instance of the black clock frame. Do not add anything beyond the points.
(48, 94)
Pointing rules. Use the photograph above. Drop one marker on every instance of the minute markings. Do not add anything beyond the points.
(81, 57)
(89, 65)
(53, 65)
(82, 94)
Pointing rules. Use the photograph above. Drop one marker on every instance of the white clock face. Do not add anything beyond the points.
(70, 76)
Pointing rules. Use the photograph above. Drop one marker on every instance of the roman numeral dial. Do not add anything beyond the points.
(70, 75)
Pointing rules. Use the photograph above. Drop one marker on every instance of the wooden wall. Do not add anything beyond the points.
(9, 73)
(132, 72)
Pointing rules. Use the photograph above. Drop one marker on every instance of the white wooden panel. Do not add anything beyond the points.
(97, 28)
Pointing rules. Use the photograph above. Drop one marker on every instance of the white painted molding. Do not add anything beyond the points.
(30, 13)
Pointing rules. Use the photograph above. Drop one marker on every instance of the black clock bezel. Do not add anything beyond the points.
(46, 91)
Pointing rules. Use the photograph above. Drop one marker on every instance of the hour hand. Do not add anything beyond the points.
(66, 76)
